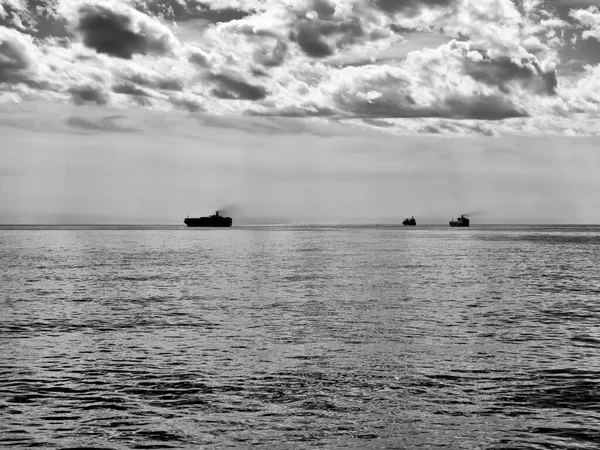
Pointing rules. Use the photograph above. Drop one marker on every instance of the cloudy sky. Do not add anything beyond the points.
(145, 111)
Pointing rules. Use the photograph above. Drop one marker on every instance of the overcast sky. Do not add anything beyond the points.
(145, 111)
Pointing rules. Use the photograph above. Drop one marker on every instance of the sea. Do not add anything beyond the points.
(300, 337)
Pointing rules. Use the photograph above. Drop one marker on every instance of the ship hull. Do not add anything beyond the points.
(459, 224)
(206, 222)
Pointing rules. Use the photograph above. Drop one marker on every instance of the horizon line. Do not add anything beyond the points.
(293, 224)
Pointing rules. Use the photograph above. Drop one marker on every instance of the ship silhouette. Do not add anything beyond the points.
(409, 222)
(214, 220)
(462, 221)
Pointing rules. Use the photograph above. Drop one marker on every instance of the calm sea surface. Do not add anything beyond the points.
(300, 337)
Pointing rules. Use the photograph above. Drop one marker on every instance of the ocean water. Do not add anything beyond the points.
(300, 337)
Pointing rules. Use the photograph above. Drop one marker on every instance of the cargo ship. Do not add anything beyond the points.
(462, 221)
(214, 220)
(409, 222)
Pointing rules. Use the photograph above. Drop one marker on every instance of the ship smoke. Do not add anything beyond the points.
(479, 212)
(230, 210)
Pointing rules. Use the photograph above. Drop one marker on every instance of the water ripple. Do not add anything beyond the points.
(298, 337)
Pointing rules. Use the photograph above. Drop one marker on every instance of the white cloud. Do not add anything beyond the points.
(589, 18)
(486, 59)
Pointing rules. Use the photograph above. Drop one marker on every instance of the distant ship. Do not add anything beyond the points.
(411, 222)
(462, 221)
(214, 220)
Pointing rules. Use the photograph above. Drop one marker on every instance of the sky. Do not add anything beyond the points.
(299, 111)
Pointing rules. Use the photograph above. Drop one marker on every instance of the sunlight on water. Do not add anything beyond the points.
(300, 337)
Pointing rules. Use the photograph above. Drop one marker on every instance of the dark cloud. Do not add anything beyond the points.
(199, 59)
(325, 8)
(480, 107)
(229, 87)
(108, 123)
(182, 10)
(91, 94)
(310, 40)
(430, 129)
(351, 30)
(378, 123)
(170, 84)
(214, 14)
(502, 72)
(166, 83)
(187, 103)
(310, 35)
(129, 89)
(142, 96)
(395, 104)
(409, 7)
(142, 100)
(114, 33)
(14, 60)
(259, 72)
(550, 81)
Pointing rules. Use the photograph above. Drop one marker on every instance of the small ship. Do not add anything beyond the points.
(462, 221)
(214, 220)
(409, 222)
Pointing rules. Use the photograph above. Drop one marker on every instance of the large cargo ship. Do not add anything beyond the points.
(214, 220)
(462, 221)
(409, 222)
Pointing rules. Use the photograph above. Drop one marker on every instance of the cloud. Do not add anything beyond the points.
(185, 10)
(230, 87)
(272, 47)
(344, 60)
(310, 39)
(213, 13)
(410, 7)
(107, 123)
(38, 18)
(590, 19)
(271, 57)
(199, 58)
(89, 94)
(18, 56)
(122, 33)
(188, 102)
(584, 96)
(319, 38)
(129, 89)
(482, 107)
(503, 72)
(403, 105)
(158, 80)
(301, 110)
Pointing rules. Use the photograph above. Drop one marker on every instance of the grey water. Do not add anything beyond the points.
(300, 337)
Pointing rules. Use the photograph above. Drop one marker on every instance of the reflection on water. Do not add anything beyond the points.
(300, 337)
